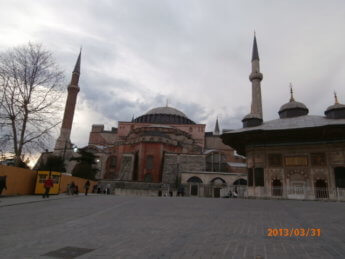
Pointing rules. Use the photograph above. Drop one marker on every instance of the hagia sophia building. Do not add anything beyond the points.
(164, 151)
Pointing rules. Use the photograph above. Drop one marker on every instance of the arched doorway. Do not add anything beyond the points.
(194, 190)
(240, 187)
(194, 185)
(321, 191)
(218, 184)
(277, 187)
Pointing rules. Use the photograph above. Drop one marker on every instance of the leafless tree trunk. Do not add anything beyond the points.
(30, 89)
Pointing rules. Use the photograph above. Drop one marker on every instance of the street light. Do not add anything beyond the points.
(99, 161)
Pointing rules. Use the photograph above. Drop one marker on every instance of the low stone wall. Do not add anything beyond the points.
(134, 192)
(132, 188)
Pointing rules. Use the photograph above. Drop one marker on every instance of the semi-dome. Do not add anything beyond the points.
(335, 111)
(292, 109)
(251, 120)
(164, 115)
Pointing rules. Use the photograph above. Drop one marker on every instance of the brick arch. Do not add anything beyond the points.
(218, 178)
(194, 179)
(240, 181)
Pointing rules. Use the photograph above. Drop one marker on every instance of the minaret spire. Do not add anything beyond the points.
(76, 71)
(216, 128)
(291, 93)
(254, 118)
(255, 52)
(336, 97)
(63, 143)
(77, 64)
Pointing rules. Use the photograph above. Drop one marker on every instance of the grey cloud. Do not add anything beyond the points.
(196, 53)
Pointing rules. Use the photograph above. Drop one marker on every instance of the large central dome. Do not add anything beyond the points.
(164, 115)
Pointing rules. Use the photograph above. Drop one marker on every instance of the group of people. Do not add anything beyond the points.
(73, 188)
(99, 189)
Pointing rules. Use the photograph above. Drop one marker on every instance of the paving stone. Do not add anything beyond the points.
(157, 227)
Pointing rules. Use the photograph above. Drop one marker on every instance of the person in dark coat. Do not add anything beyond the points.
(3, 183)
(87, 186)
(72, 188)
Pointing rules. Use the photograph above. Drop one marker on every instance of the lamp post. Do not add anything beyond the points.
(99, 161)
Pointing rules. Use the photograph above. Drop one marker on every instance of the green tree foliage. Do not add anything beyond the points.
(53, 163)
(84, 168)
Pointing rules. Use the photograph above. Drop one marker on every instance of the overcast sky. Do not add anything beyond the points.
(137, 54)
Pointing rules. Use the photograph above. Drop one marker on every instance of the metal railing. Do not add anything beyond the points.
(291, 192)
(298, 192)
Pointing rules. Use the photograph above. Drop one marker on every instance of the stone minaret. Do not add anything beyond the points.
(255, 117)
(216, 128)
(63, 142)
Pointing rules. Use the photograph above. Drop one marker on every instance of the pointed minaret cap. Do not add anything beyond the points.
(255, 53)
(216, 128)
(77, 64)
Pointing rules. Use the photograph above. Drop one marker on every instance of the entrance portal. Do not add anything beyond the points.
(339, 174)
(321, 190)
(277, 188)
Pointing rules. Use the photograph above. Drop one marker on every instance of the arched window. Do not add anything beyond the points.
(110, 168)
(111, 162)
(149, 162)
(216, 162)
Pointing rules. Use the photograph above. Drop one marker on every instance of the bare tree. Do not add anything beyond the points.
(30, 89)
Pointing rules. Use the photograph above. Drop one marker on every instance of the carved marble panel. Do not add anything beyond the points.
(336, 157)
(297, 174)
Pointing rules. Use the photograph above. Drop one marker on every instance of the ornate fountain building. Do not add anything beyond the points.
(297, 156)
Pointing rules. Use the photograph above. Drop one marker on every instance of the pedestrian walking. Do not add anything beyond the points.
(94, 188)
(3, 183)
(72, 188)
(68, 191)
(48, 183)
(87, 186)
(108, 188)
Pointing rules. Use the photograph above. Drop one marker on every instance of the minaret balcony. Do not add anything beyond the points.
(256, 75)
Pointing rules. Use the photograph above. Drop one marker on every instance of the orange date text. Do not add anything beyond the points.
(293, 232)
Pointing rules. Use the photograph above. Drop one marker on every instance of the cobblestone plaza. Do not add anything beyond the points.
(100, 226)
